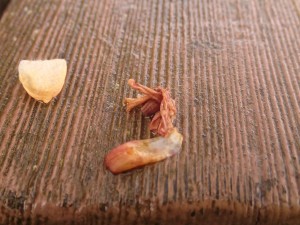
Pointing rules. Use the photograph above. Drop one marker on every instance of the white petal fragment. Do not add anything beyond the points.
(43, 79)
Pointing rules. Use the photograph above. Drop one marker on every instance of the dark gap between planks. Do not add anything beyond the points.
(3, 6)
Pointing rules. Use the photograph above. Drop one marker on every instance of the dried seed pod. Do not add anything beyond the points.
(150, 107)
(43, 79)
(138, 153)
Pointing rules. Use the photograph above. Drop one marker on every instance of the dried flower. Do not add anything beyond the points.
(158, 104)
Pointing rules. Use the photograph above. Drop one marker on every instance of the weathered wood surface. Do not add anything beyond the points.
(233, 67)
(3, 5)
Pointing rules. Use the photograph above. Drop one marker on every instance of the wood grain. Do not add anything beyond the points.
(3, 5)
(233, 67)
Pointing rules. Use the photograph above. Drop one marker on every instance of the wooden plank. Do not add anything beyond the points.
(233, 67)
(3, 5)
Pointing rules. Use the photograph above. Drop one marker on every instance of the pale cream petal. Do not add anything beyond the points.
(43, 79)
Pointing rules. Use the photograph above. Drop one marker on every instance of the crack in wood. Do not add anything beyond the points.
(3, 6)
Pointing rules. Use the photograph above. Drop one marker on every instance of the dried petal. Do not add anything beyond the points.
(138, 153)
(134, 102)
(43, 79)
(156, 95)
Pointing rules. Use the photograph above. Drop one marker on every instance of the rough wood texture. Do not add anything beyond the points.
(3, 5)
(233, 67)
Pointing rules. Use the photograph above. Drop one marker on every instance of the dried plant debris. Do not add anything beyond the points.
(138, 153)
(160, 107)
(156, 103)
(43, 79)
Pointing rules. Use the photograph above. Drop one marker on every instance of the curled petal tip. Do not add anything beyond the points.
(122, 158)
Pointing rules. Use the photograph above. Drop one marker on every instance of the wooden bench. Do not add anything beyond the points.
(233, 67)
